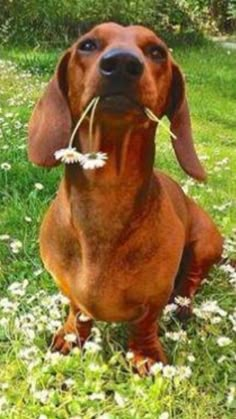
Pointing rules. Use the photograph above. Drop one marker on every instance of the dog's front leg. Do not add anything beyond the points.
(144, 344)
(75, 331)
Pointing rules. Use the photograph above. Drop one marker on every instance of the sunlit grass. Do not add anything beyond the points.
(100, 384)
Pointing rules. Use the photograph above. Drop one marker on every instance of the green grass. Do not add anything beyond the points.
(103, 384)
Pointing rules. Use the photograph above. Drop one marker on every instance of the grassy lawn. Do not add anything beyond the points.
(99, 383)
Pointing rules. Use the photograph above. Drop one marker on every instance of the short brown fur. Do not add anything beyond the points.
(116, 238)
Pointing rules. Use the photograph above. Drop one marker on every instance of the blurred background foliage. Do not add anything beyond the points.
(56, 23)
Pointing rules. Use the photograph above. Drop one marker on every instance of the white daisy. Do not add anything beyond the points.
(129, 355)
(184, 372)
(156, 368)
(91, 161)
(5, 166)
(164, 415)
(4, 237)
(70, 337)
(38, 186)
(83, 318)
(182, 301)
(169, 371)
(120, 400)
(92, 347)
(180, 336)
(68, 155)
(97, 396)
(15, 246)
(223, 341)
(191, 358)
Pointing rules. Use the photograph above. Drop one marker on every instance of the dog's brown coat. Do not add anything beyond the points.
(121, 240)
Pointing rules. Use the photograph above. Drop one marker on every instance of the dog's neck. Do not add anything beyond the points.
(104, 201)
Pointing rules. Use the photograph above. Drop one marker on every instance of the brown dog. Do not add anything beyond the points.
(122, 239)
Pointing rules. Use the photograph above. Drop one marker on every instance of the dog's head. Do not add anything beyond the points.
(130, 68)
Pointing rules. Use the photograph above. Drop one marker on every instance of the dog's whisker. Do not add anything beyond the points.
(154, 118)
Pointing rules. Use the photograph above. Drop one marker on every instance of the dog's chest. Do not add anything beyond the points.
(114, 283)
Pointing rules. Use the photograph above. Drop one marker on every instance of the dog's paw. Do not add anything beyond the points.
(64, 341)
(183, 313)
(142, 363)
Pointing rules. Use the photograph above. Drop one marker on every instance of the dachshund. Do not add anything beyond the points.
(122, 240)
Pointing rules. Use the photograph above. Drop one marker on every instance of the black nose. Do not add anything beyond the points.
(121, 63)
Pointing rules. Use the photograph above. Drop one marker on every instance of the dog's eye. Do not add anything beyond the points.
(88, 45)
(156, 53)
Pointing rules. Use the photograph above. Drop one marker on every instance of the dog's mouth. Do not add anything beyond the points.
(119, 104)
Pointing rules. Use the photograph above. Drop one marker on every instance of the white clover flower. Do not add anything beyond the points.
(83, 318)
(223, 341)
(129, 355)
(4, 237)
(164, 415)
(221, 359)
(28, 219)
(38, 186)
(18, 288)
(63, 299)
(70, 337)
(169, 371)
(53, 357)
(120, 400)
(169, 310)
(42, 396)
(92, 347)
(15, 246)
(92, 161)
(230, 270)
(156, 368)
(94, 367)
(69, 382)
(29, 333)
(8, 306)
(215, 320)
(28, 353)
(68, 155)
(191, 358)
(97, 396)
(207, 309)
(184, 372)
(5, 166)
(4, 386)
(104, 416)
(182, 301)
(180, 336)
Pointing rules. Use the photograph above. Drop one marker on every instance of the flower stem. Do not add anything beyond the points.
(154, 118)
(91, 123)
(80, 121)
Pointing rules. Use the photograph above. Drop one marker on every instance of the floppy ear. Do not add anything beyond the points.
(178, 114)
(50, 123)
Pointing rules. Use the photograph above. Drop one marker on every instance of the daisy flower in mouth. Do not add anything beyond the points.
(68, 155)
(93, 160)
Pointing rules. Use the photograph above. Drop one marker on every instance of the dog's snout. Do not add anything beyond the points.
(121, 63)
